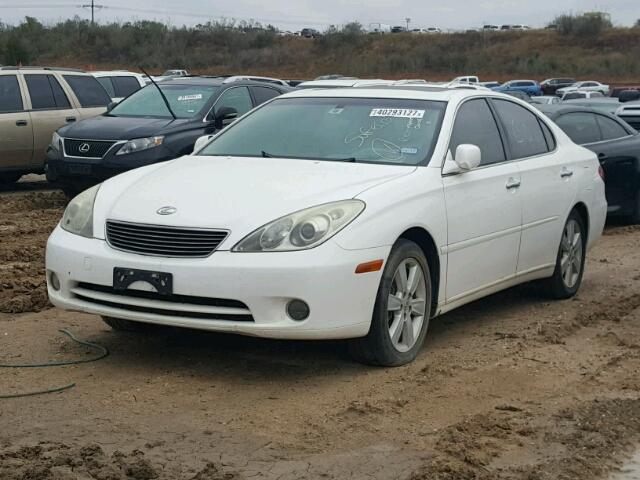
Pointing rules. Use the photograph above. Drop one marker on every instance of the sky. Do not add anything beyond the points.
(296, 14)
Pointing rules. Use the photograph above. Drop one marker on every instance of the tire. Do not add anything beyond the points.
(380, 347)
(122, 325)
(10, 177)
(565, 283)
(69, 191)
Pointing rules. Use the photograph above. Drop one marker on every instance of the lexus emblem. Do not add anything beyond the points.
(166, 211)
(84, 148)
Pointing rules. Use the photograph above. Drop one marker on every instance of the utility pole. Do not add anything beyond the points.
(93, 8)
(408, 21)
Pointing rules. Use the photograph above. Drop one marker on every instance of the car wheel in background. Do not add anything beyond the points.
(69, 191)
(9, 177)
(122, 325)
(402, 310)
(567, 275)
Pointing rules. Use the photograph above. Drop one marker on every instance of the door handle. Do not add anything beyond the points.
(21, 123)
(566, 173)
(70, 119)
(512, 183)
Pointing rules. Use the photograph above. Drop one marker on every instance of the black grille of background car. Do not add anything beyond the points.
(77, 148)
(163, 241)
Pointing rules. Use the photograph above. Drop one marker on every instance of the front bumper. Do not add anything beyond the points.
(341, 302)
(86, 172)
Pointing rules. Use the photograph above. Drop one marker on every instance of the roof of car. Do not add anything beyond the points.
(425, 92)
(213, 81)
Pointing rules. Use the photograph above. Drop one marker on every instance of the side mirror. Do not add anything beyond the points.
(225, 116)
(111, 106)
(201, 142)
(468, 157)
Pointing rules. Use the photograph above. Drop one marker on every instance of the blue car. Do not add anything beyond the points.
(530, 87)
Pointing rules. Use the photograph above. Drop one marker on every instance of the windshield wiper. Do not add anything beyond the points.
(348, 159)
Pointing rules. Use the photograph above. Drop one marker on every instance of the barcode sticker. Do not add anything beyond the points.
(397, 113)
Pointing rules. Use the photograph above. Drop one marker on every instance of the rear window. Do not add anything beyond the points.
(581, 127)
(88, 91)
(10, 98)
(125, 86)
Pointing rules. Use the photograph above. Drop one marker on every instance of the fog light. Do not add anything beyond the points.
(298, 310)
(54, 281)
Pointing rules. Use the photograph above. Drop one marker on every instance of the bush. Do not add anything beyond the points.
(588, 25)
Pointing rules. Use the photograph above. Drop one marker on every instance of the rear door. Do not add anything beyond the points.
(16, 134)
(50, 110)
(483, 207)
(547, 188)
(91, 98)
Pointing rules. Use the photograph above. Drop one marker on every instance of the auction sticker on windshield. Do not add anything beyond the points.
(186, 98)
(397, 113)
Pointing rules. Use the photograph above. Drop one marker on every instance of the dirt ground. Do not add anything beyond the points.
(509, 387)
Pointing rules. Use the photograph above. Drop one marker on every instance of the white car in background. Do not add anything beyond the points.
(337, 214)
(579, 94)
(119, 84)
(587, 86)
(471, 79)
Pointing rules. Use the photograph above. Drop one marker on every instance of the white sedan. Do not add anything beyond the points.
(337, 214)
(588, 86)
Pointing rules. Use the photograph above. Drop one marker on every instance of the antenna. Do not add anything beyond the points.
(166, 102)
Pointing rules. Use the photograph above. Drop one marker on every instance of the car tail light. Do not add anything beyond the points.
(601, 172)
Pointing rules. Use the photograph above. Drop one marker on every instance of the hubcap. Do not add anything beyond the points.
(571, 254)
(407, 304)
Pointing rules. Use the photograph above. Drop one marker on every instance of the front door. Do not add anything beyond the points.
(483, 208)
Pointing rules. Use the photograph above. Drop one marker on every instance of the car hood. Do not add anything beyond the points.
(105, 127)
(232, 193)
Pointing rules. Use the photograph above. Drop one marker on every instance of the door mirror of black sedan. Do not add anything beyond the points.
(225, 116)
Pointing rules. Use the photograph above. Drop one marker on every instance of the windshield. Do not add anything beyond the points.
(370, 130)
(186, 101)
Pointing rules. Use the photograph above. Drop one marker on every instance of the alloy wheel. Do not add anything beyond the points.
(571, 253)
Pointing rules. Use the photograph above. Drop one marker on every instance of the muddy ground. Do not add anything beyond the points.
(509, 387)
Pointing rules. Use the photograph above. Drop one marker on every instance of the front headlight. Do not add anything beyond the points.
(302, 230)
(140, 144)
(56, 141)
(78, 216)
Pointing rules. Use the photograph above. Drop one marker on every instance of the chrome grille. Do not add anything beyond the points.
(87, 148)
(164, 241)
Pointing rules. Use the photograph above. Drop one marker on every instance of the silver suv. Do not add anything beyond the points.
(34, 103)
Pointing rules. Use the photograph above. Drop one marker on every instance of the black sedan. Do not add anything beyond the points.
(618, 147)
(157, 123)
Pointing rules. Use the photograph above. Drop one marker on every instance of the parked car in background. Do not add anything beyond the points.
(433, 30)
(141, 130)
(253, 78)
(577, 94)
(551, 85)
(293, 223)
(616, 91)
(519, 95)
(630, 113)
(341, 83)
(398, 29)
(545, 100)
(505, 28)
(490, 28)
(34, 103)
(171, 74)
(618, 148)
(466, 79)
(120, 84)
(310, 33)
(490, 85)
(530, 87)
(520, 27)
(589, 86)
(602, 104)
(628, 96)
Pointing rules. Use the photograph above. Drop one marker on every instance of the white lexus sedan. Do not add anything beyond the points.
(337, 214)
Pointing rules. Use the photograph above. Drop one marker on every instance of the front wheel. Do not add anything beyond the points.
(567, 275)
(402, 310)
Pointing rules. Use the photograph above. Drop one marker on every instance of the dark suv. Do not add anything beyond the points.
(142, 129)
(550, 85)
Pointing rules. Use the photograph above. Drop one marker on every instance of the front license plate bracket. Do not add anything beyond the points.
(123, 278)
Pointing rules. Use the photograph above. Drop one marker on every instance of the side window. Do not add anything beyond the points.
(45, 92)
(237, 98)
(581, 127)
(107, 84)
(125, 86)
(262, 94)
(60, 97)
(610, 128)
(475, 125)
(10, 98)
(88, 90)
(524, 134)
